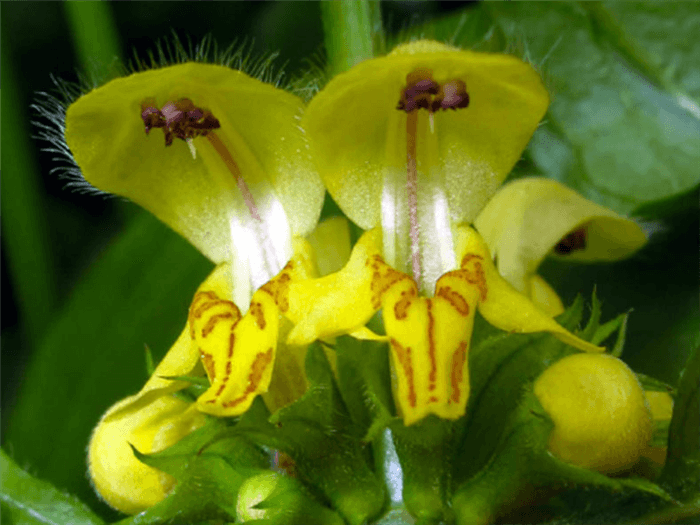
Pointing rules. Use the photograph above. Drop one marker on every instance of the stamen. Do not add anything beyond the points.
(220, 148)
(251, 235)
(422, 91)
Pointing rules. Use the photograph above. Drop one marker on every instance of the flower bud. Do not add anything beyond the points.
(122, 480)
(601, 419)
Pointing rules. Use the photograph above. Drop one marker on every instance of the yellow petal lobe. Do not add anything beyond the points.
(544, 296)
(530, 217)
(502, 305)
(429, 341)
(344, 301)
(123, 481)
(238, 352)
(601, 419)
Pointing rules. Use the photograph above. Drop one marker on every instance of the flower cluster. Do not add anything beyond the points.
(414, 147)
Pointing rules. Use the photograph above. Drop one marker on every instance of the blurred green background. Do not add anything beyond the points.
(88, 280)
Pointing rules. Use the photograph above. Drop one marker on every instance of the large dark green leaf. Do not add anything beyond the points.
(27, 500)
(623, 127)
(137, 292)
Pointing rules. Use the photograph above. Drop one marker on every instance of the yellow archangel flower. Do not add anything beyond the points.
(233, 174)
(529, 219)
(411, 146)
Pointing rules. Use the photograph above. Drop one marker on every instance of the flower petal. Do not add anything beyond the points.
(359, 136)
(601, 420)
(544, 296)
(429, 341)
(330, 241)
(122, 480)
(195, 196)
(341, 302)
(238, 352)
(528, 217)
(502, 305)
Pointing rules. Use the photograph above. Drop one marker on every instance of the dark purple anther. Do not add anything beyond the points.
(422, 91)
(181, 119)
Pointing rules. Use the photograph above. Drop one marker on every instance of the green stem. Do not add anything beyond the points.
(350, 28)
(95, 38)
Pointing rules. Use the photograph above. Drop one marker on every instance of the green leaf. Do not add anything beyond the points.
(499, 367)
(682, 470)
(623, 126)
(93, 353)
(521, 464)
(24, 228)
(27, 500)
(210, 466)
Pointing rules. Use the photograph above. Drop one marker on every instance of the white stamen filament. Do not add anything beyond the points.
(190, 144)
(260, 235)
(416, 224)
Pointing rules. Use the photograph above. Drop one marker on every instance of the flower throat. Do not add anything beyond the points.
(422, 92)
(184, 120)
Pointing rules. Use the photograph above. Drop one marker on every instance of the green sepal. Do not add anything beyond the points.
(426, 452)
(364, 381)
(521, 465)
(651, 384)
(318, 433)
(499, 368)
(210, 465)
(150, 363)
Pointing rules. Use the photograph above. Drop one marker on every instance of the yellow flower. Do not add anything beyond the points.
(411, 146)
(529, 219)
(232, 172)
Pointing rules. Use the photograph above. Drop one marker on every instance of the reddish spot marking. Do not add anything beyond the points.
(457, 302)
(383, 278)
(404, 357)
(402, 305)
(278, 287)
(257, 369)
(576, 240)
(431, 347)
(459, 358)
(469, 257)
(208, 362)
(476, 276)
(433, 399)
(256, 310)
(212, 322)
(229, 357)
(204, 301)
(231, 341)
